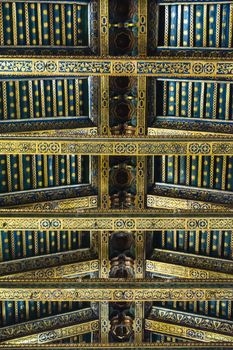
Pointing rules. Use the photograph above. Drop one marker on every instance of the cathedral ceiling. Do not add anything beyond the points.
(116, 174)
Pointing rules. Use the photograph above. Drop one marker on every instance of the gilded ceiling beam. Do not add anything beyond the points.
(168, 269)
(55, 265)
(83, 125)
(47, 194)
(34, 328)
(182, 318)
(118, 221)
(111, 146)
(185, 332)
(192, 260)
(58, 334)
(156, 201)
(73, 270)
(116, 290)
(110, 346)
(71, 205)
(193, 124)
(156, 67)
(142, 27)
(175, 192)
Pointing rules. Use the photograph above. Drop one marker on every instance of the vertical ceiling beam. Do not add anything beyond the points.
(104, 107)
(104, 27)
(142, 30)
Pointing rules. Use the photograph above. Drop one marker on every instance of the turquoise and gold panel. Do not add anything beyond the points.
(44, 104)
(202, 25)
(44, 24)
(195, 105)
(28, 172)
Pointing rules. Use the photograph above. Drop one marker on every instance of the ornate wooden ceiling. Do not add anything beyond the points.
(116, 181)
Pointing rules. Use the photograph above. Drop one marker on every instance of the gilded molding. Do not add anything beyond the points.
(222, 266)
(45, 324)
(154, 201)
(186, 332)
(69, 270)
(168, 269)
(104, 27)
(183, 318)
(113, 290)
(96, 222)
(47, 262)
(57, 334)
(142, 27)
(110, 346)
(130, 147)
(66, 205)
(115, 66)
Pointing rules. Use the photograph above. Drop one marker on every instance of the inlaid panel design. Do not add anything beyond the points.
(201, 171)
(202, 25)
(40, 171)
(44, 98)
(43, 24)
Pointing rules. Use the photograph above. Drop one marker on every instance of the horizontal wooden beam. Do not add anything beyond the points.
(156, 67)
(115, 290)
(168, 269)
(46, 262)
(83, 125)
(110, 346)
(193, 260)
(70, 205)
(185, 332)
(47, 194)
(156, 201)
(193, 193)
(58, 334)
(120, 220)
(73, 270)
(126, 346)
(112, 146)
(35, 327)
(194, 124)
(193, 320)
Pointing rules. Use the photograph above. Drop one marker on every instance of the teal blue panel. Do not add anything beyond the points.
(51, 170)
(194, 170)
(225, 13)
(57, 25)
(198, 26)
(180, 239)
(184, 99)
(45, 24)
(211, 23)
(196, 99)
(3, 174)
(36, 98)
(171, 98)
(209, 101)
(21, 25)
(69, 25)
(229, 179)
(33, 24)
(173, 25)
(227, 253)
(48, 91)
(7, 20)
(222, 102)
(71, 92)
(14, 172)
(186, 25)
(218, 173)
(170, 169)
(206, 171)
(182, 172)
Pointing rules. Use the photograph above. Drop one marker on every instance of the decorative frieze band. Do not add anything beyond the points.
(106, 66)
